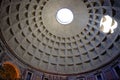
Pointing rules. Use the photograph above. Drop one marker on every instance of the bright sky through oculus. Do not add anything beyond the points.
(64, 16)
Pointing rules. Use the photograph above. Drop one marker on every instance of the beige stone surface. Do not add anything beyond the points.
(31, 30)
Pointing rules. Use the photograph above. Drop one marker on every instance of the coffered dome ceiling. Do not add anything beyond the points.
(30, 29)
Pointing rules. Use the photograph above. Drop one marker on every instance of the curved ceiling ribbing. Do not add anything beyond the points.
(70, 49)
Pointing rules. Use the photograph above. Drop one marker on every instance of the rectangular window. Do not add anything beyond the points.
(117, 70)
(80, 78)
(29, 75)
(99, 76)
(91, 78)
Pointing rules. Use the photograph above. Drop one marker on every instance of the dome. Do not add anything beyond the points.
(32, 32)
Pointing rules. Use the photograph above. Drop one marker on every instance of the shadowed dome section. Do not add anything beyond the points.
(32, 33)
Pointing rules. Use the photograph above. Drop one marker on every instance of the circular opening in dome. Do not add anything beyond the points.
(64, 16)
